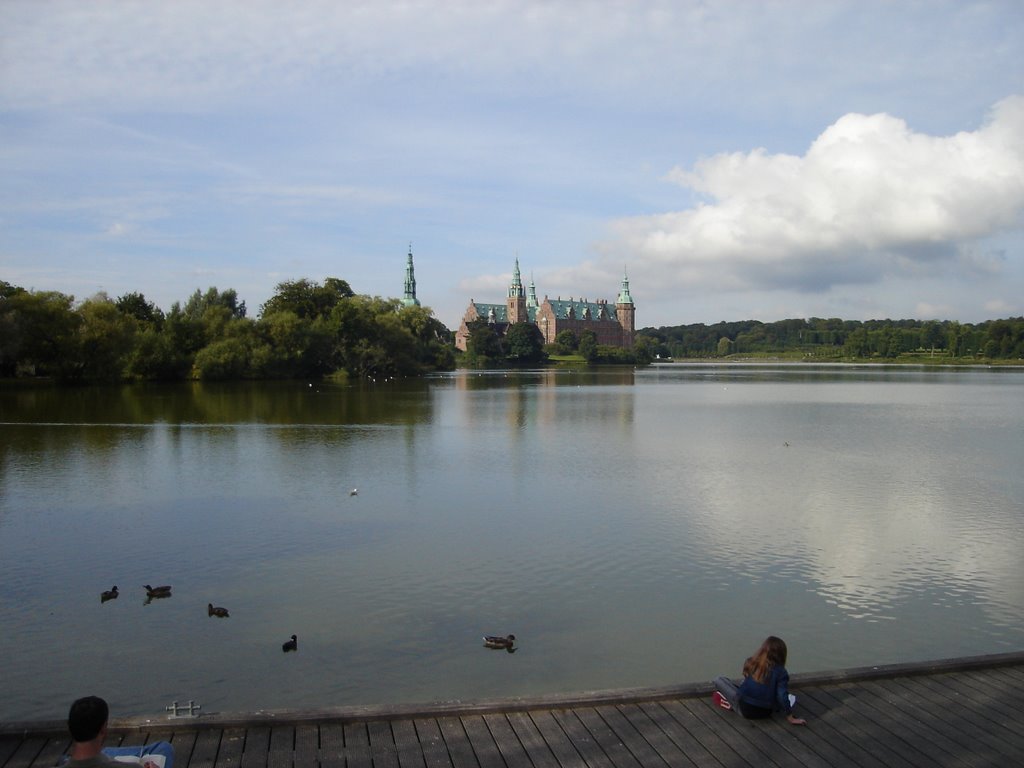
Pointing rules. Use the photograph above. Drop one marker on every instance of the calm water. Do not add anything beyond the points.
(631, 528)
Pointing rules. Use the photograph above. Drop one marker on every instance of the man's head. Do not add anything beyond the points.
(87, 717)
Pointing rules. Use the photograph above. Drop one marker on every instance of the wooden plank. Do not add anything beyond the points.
(638, 746)
(27, 751)
(53, 751)
(407, 742)
(204, 752)
(232, 742)
(668, 752)
(383, 751)
(614, 743)
(986, 695)
(959, 706)
(183, 742)
(557, 740)
(435, 753)
(282, 746)
(9, 743)
(307, 746)
(332, 745)
(257, 744)
(861, 731)
(911, 727)
(530, 739)
(511, 749)
(679, 735)
(460, 751)
(357, 746)
(710, 739)
(784, 741)
(978, 746)
(743, 736)
(485, 749)
(582, 739)
(832, 747)
(995, 689)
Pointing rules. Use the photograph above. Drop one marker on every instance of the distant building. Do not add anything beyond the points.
(410, 300)
(613, 324)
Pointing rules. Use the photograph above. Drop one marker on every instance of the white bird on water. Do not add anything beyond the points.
(354, 492)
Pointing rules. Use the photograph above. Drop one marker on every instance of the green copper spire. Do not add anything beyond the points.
(624, 297)
(531, 296)
(516, 289)
(410, 299)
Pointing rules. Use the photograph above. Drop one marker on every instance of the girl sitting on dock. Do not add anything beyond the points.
(765, 685)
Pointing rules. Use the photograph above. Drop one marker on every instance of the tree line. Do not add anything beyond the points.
(834, 338)
(306, 329)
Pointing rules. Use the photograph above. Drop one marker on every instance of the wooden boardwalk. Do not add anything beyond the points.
(956, 712)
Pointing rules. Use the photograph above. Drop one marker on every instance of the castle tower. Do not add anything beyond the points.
(531, 296)
(625, 312)
(410, 300)
(516, 301)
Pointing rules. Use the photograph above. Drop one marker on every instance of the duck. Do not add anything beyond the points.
(354, 492)
(216, 611)
(152, 592)
(501, 643)
(290, 645)
(110, 594)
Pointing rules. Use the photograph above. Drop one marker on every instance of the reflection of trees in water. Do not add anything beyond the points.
(402, 402)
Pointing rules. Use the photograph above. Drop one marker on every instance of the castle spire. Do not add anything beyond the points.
(515, 290)
(624, 297)
(410, 299)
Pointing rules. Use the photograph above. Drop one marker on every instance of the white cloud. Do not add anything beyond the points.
(870, 199)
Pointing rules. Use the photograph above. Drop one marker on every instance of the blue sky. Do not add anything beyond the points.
(740, 160)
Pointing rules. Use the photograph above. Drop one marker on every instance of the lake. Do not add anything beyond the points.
(631, 528)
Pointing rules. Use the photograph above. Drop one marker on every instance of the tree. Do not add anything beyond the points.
(135, 305)
(483, 342)
(222, 360)
(198, 303)
(105, 340)
(306, 298)
(567, 341)
(39, 332)
(524, 343)
(588, 345)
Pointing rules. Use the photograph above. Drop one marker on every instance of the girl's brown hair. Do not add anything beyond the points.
(772, 653)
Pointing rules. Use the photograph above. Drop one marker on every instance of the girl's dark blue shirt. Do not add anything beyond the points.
(761, 699)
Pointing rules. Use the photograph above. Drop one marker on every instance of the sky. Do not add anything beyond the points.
(736, 159)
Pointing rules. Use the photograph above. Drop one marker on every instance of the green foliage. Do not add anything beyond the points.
(225, 359)
(210, 338)
(40, 329)
(307, 299)
(588, 346)
(566, 342)
(844, 339)
(145, 312)
(483, 342)
(524, 344)
(105, 340)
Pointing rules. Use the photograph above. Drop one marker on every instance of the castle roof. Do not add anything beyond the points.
(580, 307)
(500, 312)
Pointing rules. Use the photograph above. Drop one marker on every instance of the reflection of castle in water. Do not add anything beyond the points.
(548, 398)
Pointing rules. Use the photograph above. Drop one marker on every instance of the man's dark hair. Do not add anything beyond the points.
(86, 717)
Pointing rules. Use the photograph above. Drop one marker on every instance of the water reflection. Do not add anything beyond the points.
(866, 515)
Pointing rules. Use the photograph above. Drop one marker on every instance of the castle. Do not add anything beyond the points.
(614, 325)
